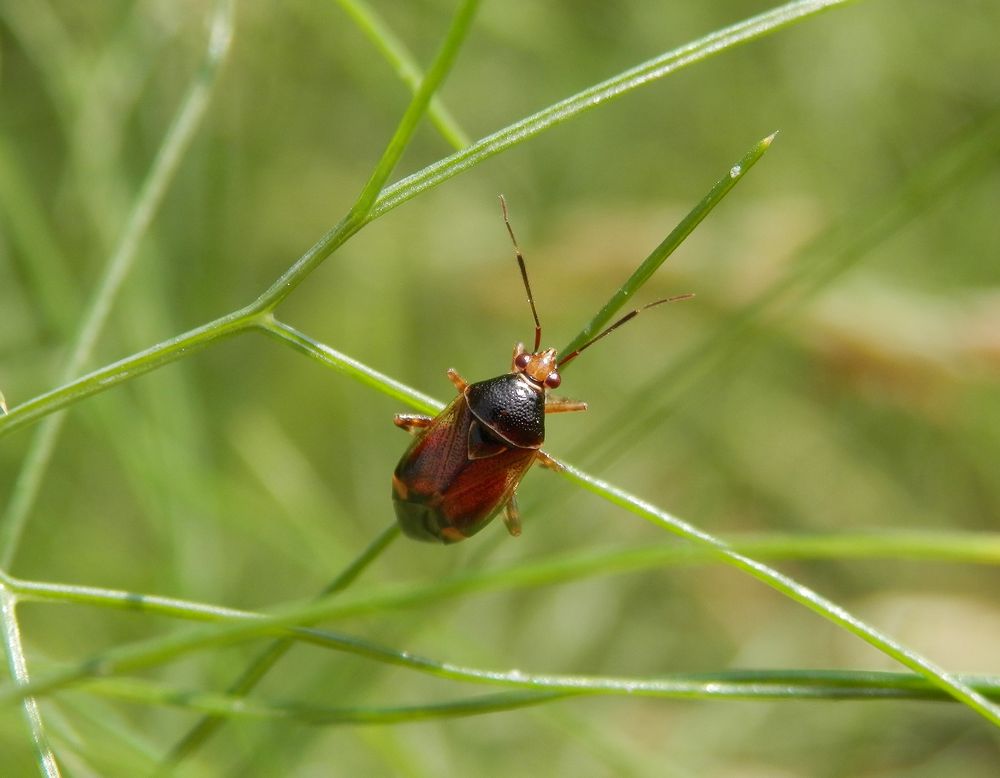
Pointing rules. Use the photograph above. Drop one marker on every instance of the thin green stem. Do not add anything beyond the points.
(795, 591)
(330, 357)
(737, 685)
(269, 657)
(223, 707)
(409, 187)
(435, 76)
(960, 548)
(746, 684)
(826, 257)
(773, 578)
(641, 75)
(669, 244)
(18, 668)
(153, 652)
(176, 141)
(126, 369)
(462, 585)
(360, 213)
(165, 648)
(399, 57)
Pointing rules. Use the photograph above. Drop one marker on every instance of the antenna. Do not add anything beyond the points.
(630, 315)
(524, 274)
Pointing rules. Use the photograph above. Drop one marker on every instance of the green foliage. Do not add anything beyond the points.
(829, 403)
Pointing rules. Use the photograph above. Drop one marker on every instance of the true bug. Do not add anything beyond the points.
(465, 464)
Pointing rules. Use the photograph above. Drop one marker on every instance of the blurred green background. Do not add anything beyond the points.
(864, 396)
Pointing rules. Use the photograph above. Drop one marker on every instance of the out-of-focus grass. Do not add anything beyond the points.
(838, 372)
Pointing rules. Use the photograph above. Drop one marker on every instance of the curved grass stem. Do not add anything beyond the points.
(18, 667)
(255, 671)
(792, 589)
(398, 56)
(367, 208)
(164, 649)
(670, 244)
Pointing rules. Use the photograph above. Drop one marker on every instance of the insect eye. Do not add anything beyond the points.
(552, 380)
(521, 361)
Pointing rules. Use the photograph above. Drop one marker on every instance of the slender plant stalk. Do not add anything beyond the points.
(18, 667)
(752, 686)
(410, 187)
(29, 480)
(748, 684)
(360, 213)
(145, 654)
(270, 656)
(670, 62)
(677, 236)
(825, 258)
(773, 578)
(398, 56)
(176, 141)
(375, 200)
(964, 548)
(289, 336)
(221, 706)
(792, 589)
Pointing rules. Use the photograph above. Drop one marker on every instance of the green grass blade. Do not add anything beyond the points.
(227, 706)
(749, 684)
(960, 548)
(176, 141)
(399, 57)
(795, 591)
(152, 652)
(641, 75)
(126, 369)
(826, 258)
(18, 667)
(738, 685)
(443, 61)
(203, 730)
(330, 357)
(360, 212)
(677, 236)
(408, 188)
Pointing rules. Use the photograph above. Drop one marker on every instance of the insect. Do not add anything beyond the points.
(464, 465)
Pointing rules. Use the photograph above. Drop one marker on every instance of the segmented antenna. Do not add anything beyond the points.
(524, 274)
(630, 315)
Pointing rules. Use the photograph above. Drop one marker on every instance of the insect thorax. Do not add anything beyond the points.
(512, 407)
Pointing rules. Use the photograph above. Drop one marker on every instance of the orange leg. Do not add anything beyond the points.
(563, 405)
(457, 380)
(411, 422)
(512, 517)
(547, 461)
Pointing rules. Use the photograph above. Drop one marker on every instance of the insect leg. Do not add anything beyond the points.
(547, 461)
(459, 382)
(411, 422)
(563, 405)
(512, 517)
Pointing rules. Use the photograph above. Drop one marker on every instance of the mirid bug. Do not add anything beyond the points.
(465, 464)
